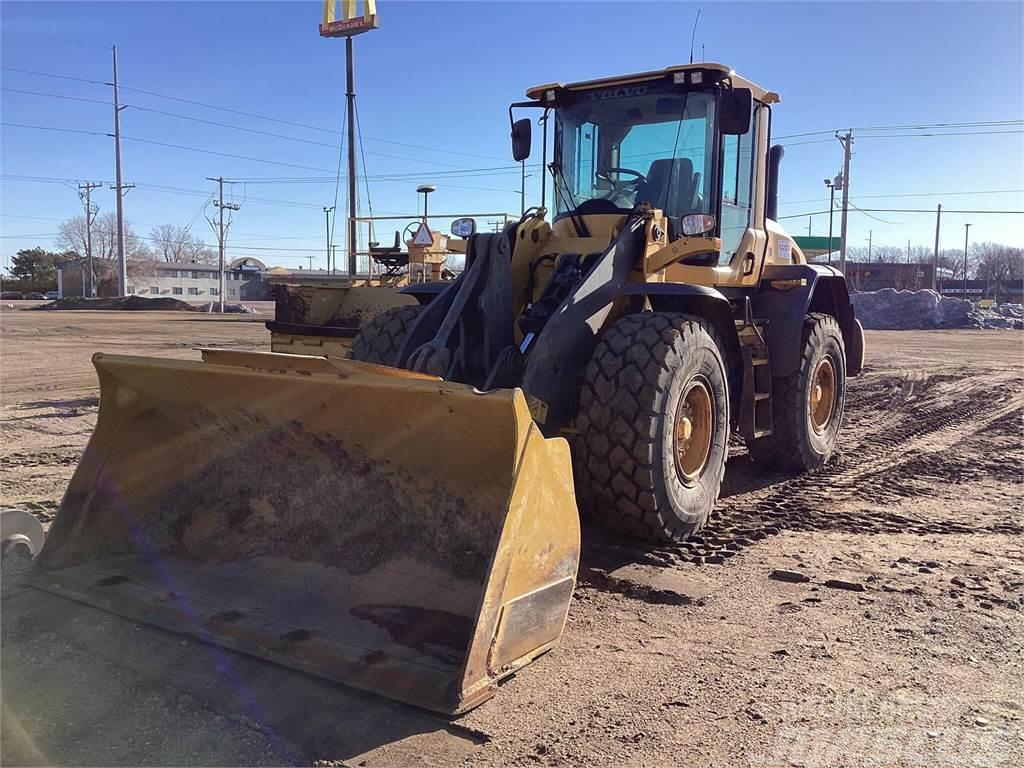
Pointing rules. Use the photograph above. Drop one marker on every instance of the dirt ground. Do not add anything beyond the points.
(687, 655)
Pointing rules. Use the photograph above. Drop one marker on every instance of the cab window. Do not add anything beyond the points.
(737, 188)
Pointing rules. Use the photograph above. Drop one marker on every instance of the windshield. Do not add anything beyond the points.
(644, 143)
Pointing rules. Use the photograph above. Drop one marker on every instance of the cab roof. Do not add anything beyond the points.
(716, 72)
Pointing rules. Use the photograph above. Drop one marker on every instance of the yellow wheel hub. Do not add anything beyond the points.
(693, 429)
(822, 397)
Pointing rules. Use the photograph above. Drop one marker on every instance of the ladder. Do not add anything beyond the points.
(756, 396)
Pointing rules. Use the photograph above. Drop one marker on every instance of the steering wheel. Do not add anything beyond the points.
(620, 188)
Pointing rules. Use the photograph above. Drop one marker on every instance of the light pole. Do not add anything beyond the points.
(327, 212)
(833, 185)
(425, 190)
(967, 229)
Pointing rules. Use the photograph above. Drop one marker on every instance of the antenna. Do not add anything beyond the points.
(693, 34)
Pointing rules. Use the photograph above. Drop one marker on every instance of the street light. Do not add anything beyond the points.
(833, 185)
(425, 190)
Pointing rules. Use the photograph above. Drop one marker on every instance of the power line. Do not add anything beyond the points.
(243, 113)
(932, 135)
(51, 128)
(915, 194)
(918, 126)
(59, 77)
(870, 216)
(55, 96)
(902, 210)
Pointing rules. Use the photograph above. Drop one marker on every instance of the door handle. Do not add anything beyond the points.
(748, 264)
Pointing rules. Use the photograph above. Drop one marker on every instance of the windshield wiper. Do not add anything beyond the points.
(578, 224)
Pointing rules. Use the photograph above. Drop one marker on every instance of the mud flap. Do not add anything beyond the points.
(385, 529)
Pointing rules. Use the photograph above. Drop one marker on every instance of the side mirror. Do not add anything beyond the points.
(734, 111)
(521, 139)
(463, 228)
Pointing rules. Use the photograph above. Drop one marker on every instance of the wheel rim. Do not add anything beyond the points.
(691, 438)
(822, 395)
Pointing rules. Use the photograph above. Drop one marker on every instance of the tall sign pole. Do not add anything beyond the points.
(350, 95)
(348, 26)
(936, 285)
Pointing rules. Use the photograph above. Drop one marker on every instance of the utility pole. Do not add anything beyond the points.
(327, 211)
(967, 229)
(85, 192)
(871, 234)
(936, 285)
(809, 220)
(122, 265)
(221, 237)
(847, 142)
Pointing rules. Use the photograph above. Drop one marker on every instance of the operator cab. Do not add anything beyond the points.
(687, 140)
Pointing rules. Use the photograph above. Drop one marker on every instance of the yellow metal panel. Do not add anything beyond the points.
(385, 529)
(328, 11)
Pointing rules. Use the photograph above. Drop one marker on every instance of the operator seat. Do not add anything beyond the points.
(671, 186)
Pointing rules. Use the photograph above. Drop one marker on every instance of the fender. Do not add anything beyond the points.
(425, 293)
(786, 294)
(298, 329)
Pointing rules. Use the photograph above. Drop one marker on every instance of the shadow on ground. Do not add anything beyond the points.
(83, 687)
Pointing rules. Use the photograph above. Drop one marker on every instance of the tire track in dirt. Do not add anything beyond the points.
(872, 467)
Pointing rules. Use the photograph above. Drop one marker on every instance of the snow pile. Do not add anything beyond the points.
(229, 309)
(890, 310)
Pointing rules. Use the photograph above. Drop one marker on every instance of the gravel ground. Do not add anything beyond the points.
(701, 659)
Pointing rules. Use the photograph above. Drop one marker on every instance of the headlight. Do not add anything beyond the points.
(698, 224)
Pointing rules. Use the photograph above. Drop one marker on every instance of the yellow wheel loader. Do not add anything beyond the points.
(322, 318)
(406, 521)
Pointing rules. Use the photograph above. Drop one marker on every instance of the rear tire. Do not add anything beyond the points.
(807, 405)
(653, 426)
(381, 339)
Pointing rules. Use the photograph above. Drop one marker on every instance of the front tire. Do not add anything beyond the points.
(381, 339)
(653, 426)
(808, 404)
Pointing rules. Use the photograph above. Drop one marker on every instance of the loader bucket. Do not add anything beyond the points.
(381, 528)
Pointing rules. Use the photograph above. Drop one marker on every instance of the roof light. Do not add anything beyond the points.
(549, 95)
(679, 78)
(696, 78)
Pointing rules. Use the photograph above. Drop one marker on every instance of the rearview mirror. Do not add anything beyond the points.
(734, 111)
(521, 139)
(463, 228)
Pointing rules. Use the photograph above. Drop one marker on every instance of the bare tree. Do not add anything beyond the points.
(173, 243)
(999, 262)
(72, 237)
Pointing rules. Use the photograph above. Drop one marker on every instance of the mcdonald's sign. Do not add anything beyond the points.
(350, 22)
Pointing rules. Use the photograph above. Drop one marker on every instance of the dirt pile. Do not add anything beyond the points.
(127, 303)
(137, 303)
(892, 310)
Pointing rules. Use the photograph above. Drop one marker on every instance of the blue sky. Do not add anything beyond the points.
(440, 76)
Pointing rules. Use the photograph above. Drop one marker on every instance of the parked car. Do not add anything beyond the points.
(11, 295)
(51, 295)
(35, 295)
